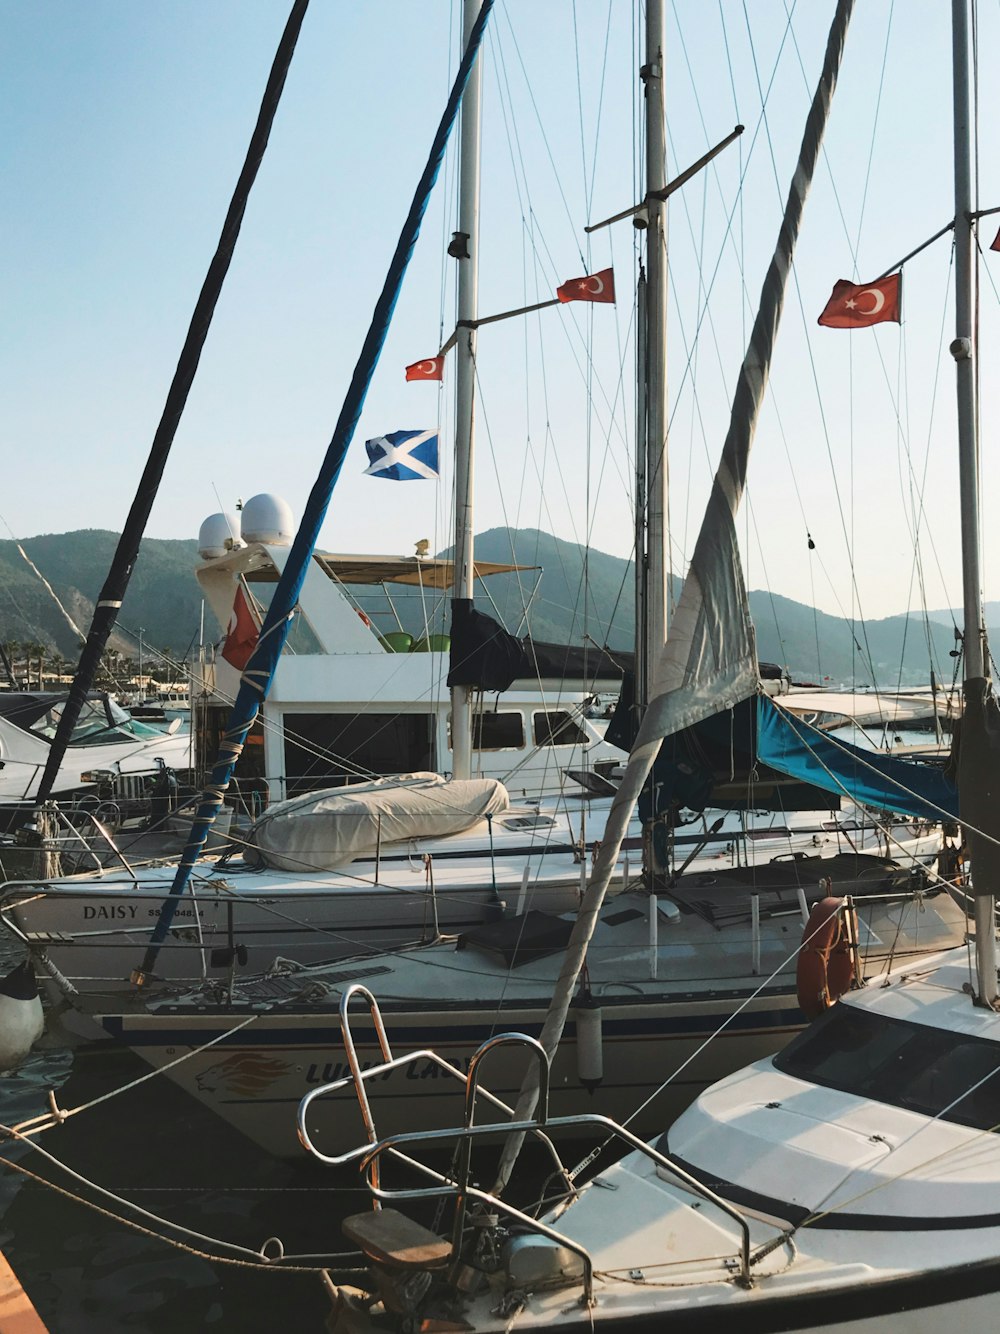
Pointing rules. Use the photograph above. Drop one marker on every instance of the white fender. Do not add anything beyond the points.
(21, 1016)
(589, 1045)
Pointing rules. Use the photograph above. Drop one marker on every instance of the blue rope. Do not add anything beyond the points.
(256, 679)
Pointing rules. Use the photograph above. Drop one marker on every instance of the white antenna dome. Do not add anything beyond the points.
(219, 534)
(268, 519)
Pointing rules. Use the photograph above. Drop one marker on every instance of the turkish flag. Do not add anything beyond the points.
(241, 633)
(996, 242)
(430, 369)
(857, 305)
(593, 287)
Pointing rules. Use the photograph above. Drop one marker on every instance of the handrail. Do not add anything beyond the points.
(375, 1072)
(368, 1156)
(106, 835)
(83, 846)
(393, 1143)
(358, 1077)
(464, 1159)
(507, 1040)
(352, 1056)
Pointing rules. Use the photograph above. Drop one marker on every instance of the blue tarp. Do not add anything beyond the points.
(793, 747)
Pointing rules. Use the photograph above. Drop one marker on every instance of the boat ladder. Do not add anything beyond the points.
(396, 1245)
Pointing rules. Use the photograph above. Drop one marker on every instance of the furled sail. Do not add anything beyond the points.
(709, 661)
(977, 754)
(127, 551)
(259, 671)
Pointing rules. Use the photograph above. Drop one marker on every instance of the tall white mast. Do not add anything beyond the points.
(655, 610)
(465, 390)
(963, 349)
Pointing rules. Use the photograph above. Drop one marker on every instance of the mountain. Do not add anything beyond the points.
(953, 615)
(163, 596)
(164, 599)
(812, 644)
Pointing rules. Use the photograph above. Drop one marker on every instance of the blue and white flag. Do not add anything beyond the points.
(404, 456)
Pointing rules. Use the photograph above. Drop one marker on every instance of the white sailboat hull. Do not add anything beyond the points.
(278, 1036)
(256, 1079)
(94, 929)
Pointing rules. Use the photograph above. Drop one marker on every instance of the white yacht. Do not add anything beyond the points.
(108, 751)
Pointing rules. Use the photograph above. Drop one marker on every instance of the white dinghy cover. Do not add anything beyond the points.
(324, 830)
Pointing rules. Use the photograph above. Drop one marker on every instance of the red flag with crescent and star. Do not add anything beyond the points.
(592, 287)
(858, 305)
(996, 242)
(241, 633)
(431, 368)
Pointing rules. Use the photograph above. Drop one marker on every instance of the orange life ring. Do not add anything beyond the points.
(825, 968)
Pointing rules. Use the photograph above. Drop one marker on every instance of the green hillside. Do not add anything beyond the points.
(163, 596)
(164, 600)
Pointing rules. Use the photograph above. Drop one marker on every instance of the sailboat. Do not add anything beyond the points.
(847, 1183)
(664, 973)
(99, 936)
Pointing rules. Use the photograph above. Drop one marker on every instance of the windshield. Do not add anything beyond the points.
(101, 722)
(928, 1070)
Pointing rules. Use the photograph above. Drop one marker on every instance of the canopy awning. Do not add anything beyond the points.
(429, 573)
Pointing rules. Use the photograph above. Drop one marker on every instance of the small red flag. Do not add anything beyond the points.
(996, 242)
(241, 633)
(593, 287)
(857, 305)
(430, 369)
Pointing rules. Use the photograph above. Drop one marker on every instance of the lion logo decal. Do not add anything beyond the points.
(245, 1073)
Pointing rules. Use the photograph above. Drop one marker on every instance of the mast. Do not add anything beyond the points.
(641, 399)
(127, 551)
(465, 247)
(655, 609)
(963, 350)
(713, 588)
(259, 671)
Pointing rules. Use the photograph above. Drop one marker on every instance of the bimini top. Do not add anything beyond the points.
(431, 573)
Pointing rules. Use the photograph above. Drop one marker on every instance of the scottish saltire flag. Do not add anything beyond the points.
(404, 456)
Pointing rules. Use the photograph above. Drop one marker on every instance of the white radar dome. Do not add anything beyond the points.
(268, 519)
(219, 534)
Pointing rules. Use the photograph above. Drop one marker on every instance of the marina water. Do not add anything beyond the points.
(88, 1273)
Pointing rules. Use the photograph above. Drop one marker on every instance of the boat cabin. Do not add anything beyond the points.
(361, 689)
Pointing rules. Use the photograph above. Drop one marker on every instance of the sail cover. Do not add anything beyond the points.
(323, 830)
(977, 743)
(793, 746)
(257, 674)
(709, 661)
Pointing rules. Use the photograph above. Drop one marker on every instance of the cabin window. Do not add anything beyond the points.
(558, 728)
(529, 822)
(301, 637)
(912, 1066)
(498, 731)
(333, 749)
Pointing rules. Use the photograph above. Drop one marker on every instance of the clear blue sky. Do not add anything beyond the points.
(124, 128)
